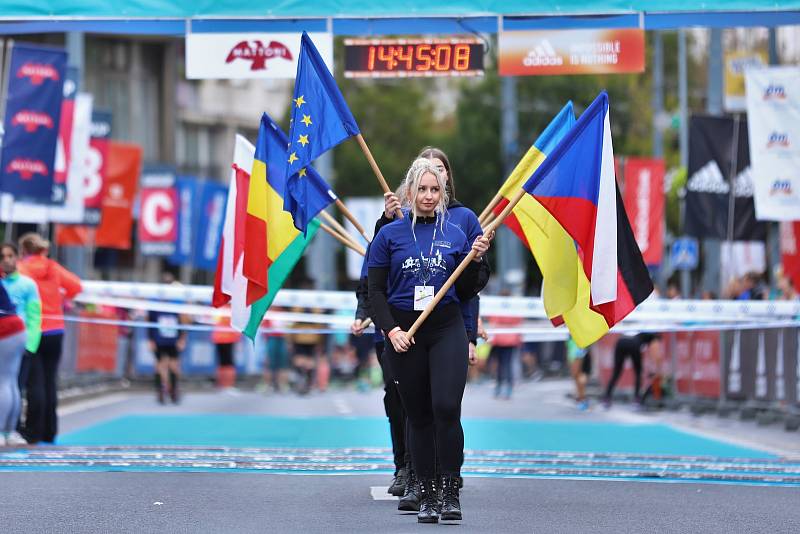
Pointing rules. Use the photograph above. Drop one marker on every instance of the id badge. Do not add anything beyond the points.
(422, 296)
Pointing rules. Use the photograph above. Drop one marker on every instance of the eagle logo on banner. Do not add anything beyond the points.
(258, 54)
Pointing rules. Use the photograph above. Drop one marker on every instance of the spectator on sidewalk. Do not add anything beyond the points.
(25, 296)
(12, 345)
(56, 285)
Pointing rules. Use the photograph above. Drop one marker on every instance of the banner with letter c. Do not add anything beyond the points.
(158, 212)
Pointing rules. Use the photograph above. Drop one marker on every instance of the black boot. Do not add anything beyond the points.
(398, 487)
(409, 502)
(451, 507)
(428, 501)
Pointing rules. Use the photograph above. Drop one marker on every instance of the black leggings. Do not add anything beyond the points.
(431, 377)
(225, 354)
(40, 377)
(620, 354)
(394, 411)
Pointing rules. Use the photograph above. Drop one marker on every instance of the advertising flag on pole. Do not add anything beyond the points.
(122, 180)
(33, 112)
(65, 128)
(212, 213)
(644, 202)
(187, 189)
(773, 121)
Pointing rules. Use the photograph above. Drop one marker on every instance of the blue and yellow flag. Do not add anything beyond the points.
(320, 121)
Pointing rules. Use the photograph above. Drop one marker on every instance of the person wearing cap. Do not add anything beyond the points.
(55, 285)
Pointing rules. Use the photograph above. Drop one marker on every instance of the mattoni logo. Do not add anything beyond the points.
(32, 120)
(258, 54)
(778, 139)
(543, 55)
(774, 92)
(781, 187)
(26, 168)
(38, 72)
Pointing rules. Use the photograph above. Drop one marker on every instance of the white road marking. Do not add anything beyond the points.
(342, 406)
(90, 404)
(380, 493)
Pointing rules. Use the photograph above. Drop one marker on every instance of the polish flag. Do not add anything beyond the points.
(230, 284)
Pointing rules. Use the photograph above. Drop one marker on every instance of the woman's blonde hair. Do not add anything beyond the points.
(408, 190)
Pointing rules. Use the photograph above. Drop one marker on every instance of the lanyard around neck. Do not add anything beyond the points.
(424, 269)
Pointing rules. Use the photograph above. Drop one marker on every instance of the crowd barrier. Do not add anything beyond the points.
(715, 350)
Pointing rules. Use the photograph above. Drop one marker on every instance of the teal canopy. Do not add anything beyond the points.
(176, 17)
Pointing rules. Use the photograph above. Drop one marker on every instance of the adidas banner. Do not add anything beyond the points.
(773, 111)
(711, 154)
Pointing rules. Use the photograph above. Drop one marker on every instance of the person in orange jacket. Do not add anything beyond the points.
(225, 339)
(55, 284)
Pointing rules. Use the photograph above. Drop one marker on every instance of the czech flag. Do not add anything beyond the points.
(577, 186)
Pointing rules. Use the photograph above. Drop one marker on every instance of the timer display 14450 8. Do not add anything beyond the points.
(406, 57)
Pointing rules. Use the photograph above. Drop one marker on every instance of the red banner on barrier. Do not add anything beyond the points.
(790, 251)
(705, 357)
(97, 343)
(122, 177)
(556, 52)
(644, 203)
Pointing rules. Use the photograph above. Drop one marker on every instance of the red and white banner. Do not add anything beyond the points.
(249, 55)
(644, 202)
(122, 177)
(158, 220)
(556, 52)
(790, 251)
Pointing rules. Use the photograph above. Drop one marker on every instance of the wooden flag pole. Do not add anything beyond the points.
(489, 219)
(352, 219)
(342, 240)
(336, 225)
(489, 207)
(464, 263)
(375, 169)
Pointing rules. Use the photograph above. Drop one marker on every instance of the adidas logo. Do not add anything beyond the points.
(543, 55)
(709, 179)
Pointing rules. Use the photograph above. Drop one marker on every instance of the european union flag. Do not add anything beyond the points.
(320, 121)
(306, 193)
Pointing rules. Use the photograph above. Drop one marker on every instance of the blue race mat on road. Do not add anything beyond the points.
(333, 432)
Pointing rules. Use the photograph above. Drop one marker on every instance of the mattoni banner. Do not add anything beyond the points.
(31, 125)
(556, 52)
(249, 55)
(773, 120)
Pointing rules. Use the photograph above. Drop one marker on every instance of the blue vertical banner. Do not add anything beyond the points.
(33, 113)
(188, 219)
(209, 229)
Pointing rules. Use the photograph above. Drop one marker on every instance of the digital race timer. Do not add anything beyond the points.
(400, 58)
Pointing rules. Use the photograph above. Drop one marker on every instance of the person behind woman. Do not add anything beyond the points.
(55, 284)
(409, 260)
(12, 345)
(25, 297)
(225, 339)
